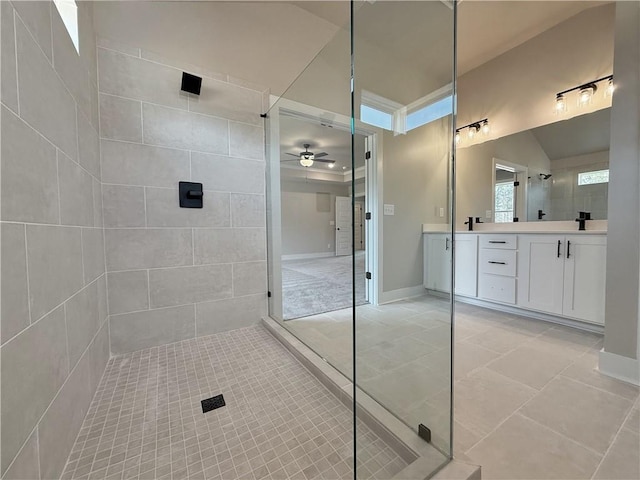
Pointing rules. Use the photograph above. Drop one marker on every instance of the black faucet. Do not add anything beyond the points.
(541, 214)
(470, 223)
(478, 220)
(582, 219)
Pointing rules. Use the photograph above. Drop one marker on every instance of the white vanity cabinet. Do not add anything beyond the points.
(563, 275)
(466, 264)
(497, 268)
(437, 262)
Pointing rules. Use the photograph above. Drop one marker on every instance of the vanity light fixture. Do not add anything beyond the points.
(586, 92)
(473, 128)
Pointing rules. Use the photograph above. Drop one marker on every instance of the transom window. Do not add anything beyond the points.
(591, 178)
(68, 11)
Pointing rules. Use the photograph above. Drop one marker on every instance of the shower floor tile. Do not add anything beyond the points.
(279, 422)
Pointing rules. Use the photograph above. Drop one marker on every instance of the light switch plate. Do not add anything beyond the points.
(389, 209)
(441, 212)
(487, 214)
(332, 222)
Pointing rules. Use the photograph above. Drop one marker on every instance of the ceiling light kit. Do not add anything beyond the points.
(481, 126)
(307, 158)
(586, 92)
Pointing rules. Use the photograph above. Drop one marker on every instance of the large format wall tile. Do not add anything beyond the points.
(132, 164)
(15, 298)
(76, 193)
(54, 259)
(34, 366)
(25, 466)
(135, 331)
(224, 245)
(128, 291)
(123, 206)
(131, 249)
(102, 298)
(227, 174)
(140, 79)
(98, 356)
(249, 278)
(180, 286)
(60, 425)
(229, 314)
(247, 210)
(97, 204)
(225, 100)
(44, 101)
(92, 253)
(8, 82)
(29, 182)
(120, 118)
(68, 64)
(88, 146)
(82, 321)
(178, 129)
(163, 209)
(246, 141)
(37, 17)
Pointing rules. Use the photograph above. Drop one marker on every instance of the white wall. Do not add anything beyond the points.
(305, 221)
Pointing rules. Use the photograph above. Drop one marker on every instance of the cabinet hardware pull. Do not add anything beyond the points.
(568, 248)
(446, 243)
(497, 241)
(498, 263)
(559, 243)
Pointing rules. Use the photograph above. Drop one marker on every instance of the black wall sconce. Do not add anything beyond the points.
(473, 128)
(190, 194)
(191, 83)
(585, 95)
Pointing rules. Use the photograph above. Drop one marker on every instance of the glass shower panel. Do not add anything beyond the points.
(403, 56)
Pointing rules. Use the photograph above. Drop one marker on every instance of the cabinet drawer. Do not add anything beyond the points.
(498, 262)
(509, 242)
(497, 288)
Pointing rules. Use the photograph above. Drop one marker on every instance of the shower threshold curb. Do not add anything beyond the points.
(423, 459)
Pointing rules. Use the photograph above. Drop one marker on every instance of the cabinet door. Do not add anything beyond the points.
(466, 265)
(541, 273)
(437, 262)
(584, 277)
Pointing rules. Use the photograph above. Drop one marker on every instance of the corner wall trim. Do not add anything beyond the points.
(306, 256)
(619, 367)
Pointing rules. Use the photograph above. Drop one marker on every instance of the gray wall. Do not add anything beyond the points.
(55, 341)
(305, 217)
(623, 239)
(175, 273)
(569, 198)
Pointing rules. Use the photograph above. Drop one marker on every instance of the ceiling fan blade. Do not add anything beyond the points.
(290, 160)
(321, 154)
(323, 160)
(293, 154)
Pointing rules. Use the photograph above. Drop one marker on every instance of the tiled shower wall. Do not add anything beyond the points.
(176, 273)
(55, 340)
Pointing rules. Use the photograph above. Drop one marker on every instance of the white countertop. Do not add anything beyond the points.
(594, 227)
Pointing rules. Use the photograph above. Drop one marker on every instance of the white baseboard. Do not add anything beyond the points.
(307, 256)
(401, 294)
(623, 368)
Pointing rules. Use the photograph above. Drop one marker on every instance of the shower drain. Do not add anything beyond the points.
(212, 403)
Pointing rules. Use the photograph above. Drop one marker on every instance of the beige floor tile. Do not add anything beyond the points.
(468, 357)
(585, 414)
(522, 449)
(485, 398)
(499, 340)
(622, 461)
(463, 438)
(532, 366)
(591, 376)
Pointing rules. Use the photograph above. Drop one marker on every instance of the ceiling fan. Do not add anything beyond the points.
(307, 158)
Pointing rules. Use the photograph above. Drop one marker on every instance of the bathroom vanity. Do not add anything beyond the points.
(555, 275)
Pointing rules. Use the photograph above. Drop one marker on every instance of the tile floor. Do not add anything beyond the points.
(529, 402)
(279, 422)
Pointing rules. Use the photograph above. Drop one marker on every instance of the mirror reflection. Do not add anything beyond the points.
(549, 173)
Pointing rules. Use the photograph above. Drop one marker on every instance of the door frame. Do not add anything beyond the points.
(373, 194)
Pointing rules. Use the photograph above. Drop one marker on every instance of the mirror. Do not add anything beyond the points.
(560, 169)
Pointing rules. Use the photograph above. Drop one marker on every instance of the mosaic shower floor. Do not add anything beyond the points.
(279, 422)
